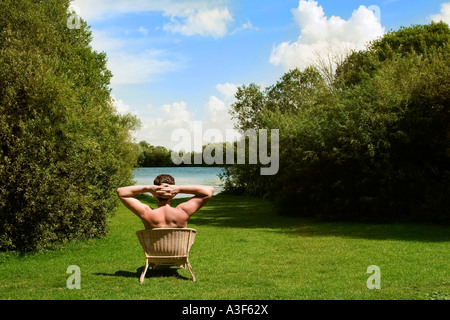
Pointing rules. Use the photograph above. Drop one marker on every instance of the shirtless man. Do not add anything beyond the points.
(164, 190)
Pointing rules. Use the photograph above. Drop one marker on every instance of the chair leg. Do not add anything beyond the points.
(191, 271)
(141, 279)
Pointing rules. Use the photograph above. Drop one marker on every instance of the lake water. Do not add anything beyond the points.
(207, 176)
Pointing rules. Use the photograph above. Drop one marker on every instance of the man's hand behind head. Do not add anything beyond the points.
(166, 191)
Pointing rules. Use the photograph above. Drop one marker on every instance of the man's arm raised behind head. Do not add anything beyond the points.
(126, 195)
(202, 194)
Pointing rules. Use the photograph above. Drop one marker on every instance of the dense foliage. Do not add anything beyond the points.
(372, 145)
(154, 156)
(63, 148)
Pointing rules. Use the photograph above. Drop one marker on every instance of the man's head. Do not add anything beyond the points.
(163, 178)
(159, 180)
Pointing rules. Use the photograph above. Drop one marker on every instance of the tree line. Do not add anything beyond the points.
(158, 156)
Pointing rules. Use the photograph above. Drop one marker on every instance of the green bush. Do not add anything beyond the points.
(63, 148)
(371, 146)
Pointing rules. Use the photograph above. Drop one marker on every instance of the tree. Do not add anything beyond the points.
(416, 39)
(370, 146)
(64, 150)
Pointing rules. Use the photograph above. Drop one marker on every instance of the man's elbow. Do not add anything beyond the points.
(210, 192)
(119, 192)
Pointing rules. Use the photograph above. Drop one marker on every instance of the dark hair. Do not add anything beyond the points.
(163, 178)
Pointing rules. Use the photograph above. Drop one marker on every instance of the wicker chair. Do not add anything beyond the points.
(167, 246)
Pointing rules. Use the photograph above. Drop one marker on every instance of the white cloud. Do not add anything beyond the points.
(217, 124)
(101, 41)
(217, 110)
(157, 130)
(214, 109)
(200, 17)
(143, 30)
(320, 34)
(100, 9)
(228, 90)
(247, 25)
(204, 22)
(137, 68)
(216, 115)
(444, 15)
(158, 127)
(131, 67)
(121, 107)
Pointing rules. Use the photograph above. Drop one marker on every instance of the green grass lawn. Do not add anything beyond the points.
(244, 251)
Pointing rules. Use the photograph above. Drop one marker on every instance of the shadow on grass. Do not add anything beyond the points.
(229, 211)
(245, 212)
(151, 273)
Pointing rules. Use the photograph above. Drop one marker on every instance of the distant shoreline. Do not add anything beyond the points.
(183, 176)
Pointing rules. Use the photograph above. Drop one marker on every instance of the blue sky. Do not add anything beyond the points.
(176, 62)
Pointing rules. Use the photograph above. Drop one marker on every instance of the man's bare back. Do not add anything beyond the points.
(165, 216)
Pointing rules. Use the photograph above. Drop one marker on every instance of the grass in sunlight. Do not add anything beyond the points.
(243, 250)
